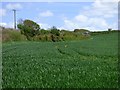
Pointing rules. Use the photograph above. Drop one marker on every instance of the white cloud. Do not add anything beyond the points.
(95, 17)
(90, 24)
(14, 6)
(46, 14)
(3, 24)
(102, 9)
(98, 22)
(81, 18)
(10, 25)
(2, 12)
(68, 24)
(7, 25)
(44, 25)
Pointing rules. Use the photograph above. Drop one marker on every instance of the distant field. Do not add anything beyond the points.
(90, 63)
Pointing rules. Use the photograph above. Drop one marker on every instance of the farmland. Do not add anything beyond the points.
(90, 63)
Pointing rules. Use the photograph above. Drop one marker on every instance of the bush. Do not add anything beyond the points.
(43, 38)
(43, 31)
(12, 35)
(55, 31)
(29, 28)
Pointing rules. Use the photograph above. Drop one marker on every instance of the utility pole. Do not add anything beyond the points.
(14, 12)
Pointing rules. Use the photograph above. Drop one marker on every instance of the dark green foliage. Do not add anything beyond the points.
(55, 31)
(81, 30)
(104, 32)
(29, 28)
(43, 31)
(55, 34)
(55, 38)
(109, 29)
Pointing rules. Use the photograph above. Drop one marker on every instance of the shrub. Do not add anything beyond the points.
(12, 35)
(29, 28)
(43, 31)
(55, 31)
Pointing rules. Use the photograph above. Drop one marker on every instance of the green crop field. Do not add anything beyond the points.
(91, 63)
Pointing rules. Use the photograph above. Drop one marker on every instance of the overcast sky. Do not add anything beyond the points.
(96, 15)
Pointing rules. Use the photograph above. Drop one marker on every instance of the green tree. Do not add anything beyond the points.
(55, 31)
(43, 31)
(29, 28)
(55, 34)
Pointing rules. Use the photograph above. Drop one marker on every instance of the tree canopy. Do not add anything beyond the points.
(29, 28)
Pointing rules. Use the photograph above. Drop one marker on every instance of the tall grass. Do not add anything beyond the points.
(9, 35)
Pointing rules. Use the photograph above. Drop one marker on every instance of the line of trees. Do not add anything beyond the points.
(32, 31)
